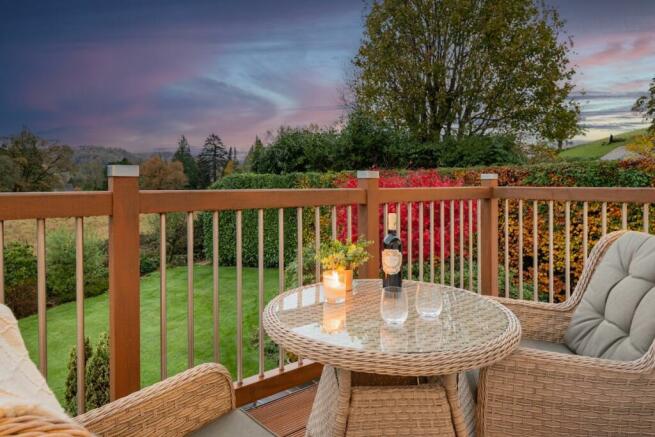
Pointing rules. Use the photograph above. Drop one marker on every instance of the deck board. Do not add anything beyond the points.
(286, 416)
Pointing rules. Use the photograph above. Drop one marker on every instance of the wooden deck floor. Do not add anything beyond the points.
(286, 416)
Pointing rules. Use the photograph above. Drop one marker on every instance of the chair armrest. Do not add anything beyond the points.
(175, 406)
(540, 321)
(534, 392)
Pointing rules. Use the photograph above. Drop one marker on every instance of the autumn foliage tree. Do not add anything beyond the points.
(31, 163)
(462, 67)
(159, 174)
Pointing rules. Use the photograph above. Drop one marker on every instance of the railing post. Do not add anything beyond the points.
(368, 224)
(124, 307)
(489, 240)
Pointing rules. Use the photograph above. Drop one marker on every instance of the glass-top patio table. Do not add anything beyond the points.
(373, 369)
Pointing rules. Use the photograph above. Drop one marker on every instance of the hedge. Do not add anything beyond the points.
(227, 219)
(634, 173)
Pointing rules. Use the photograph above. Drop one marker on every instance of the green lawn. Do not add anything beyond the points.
(61, 324)
(597, 149)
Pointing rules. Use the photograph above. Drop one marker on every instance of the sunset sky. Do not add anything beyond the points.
(138, 74)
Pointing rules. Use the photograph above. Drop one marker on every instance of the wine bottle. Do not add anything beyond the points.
(392, 255)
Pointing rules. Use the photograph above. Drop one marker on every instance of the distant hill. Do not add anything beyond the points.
(104, 155)
(599, 148)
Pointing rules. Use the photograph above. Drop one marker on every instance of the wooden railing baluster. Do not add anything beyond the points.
(506, 238)
(41, 296)
(645, 217)
(550, 252)
(535, 251)
(409, 240)
(280, 272)
(479, 283)
(432, 242)
(520, 254)
(567, 249)
(420, 241)
(452, 242)
(215, 288)
(442, 243)
(260, 289)
(190, 309)
(585, 231)
(163, 329)
(461, 244)
(470, 208)
(79, 312)
(239, 273)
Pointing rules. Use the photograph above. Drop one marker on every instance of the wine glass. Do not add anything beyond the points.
(394, 305)
(429, 301)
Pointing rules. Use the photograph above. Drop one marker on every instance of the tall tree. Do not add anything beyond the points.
(212, 159)
(183, 155)
(38, 164)
(645, 105)
(159, 174)
(464, 67)
(254, 153)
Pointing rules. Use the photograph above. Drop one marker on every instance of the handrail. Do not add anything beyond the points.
(20, 206)
(428, 194)
(217, 200)
(577, 194)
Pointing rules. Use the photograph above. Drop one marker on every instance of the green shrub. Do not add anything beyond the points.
(308, 268)
(97, 375)
(60, 258)
(70, 396)
(20, 279)
(176, 242)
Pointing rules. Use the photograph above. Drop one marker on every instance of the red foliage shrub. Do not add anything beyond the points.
(419, 178)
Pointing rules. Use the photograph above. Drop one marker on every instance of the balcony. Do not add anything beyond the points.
(486, 238)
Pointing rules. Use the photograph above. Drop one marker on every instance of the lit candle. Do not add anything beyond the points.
(335, 288)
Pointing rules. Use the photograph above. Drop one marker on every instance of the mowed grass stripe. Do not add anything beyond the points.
(62, 325)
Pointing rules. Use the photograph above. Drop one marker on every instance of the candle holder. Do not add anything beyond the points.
(334, 286)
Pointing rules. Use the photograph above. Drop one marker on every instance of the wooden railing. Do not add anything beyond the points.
(458, 225)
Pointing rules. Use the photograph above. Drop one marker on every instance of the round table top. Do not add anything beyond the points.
(472, 331)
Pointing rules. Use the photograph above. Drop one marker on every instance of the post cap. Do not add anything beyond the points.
(488, 176)
(123, 171)
(368, 174)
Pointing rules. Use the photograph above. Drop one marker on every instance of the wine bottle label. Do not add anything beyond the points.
(392, 261)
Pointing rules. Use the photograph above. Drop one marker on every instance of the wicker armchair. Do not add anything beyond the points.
(199, 401)
(176, 406)
(543, 393)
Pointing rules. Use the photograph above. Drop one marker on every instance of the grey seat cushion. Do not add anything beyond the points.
(473, 376)
(616, 317)
(233, 423)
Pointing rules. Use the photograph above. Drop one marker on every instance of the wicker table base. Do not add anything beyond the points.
(363, 404)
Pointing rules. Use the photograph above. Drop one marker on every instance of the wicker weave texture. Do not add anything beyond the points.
(28, 426)
(539, 393)
(473, 331)
(173, 407)
(407, 410)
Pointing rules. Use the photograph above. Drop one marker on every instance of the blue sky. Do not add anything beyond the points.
(138, 74)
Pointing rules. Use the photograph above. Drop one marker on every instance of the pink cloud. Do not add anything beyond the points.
(620, 49)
